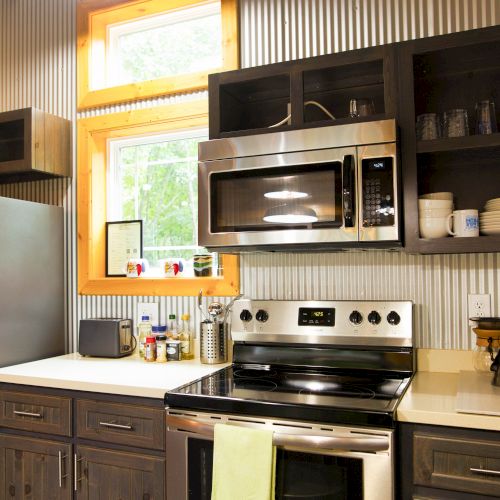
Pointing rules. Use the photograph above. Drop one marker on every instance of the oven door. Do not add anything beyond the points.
(280, 199)
(313, 462)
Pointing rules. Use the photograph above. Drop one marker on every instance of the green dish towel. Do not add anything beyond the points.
(244, 464)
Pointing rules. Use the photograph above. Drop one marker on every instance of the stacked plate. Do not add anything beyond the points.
(489, 220)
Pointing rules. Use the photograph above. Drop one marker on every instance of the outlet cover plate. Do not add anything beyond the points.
(150, 309)
(479, 305)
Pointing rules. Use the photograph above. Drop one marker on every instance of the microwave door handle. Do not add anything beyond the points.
(359, 443)
(348, 191)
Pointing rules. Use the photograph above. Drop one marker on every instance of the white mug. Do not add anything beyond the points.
(172, 267)
(465, 223)
(135, 267)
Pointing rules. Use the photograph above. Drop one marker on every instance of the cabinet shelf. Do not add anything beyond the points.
(459, 245)
(458, 143)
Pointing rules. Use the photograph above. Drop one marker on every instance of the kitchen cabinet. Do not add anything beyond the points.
(34, 145)
(439, 74)
(444, 462)
(34, 468)
(252, 100)
(61, 444)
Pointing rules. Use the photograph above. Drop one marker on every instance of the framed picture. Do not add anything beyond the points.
(123, 242)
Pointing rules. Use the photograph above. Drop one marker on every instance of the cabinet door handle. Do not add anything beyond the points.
(485, 471)
(62, 476)
(28, 414)
(127, 427)
(76, 478)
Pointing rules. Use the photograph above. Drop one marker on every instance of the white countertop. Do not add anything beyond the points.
(432, 399)
(129, 376)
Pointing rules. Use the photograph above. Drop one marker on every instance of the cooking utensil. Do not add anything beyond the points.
(215, 309)
(200, 305)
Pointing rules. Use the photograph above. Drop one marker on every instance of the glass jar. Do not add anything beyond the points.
(484, 352)
(161, 349)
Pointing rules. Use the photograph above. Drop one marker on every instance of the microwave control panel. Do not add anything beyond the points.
(378, 192)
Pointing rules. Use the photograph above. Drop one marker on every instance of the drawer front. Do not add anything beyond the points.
(119, 423)
(33, 412)
(456, 464)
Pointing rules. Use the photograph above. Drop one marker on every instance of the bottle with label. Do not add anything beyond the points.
(161, 349)
(186, 338)
(144, 330)
(172, 330)
(150, 349)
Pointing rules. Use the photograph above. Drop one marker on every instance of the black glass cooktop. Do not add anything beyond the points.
(324, 397)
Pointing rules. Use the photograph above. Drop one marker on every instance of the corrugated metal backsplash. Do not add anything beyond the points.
(37, 67)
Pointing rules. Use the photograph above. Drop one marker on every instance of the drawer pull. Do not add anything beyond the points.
(61, 475)
(485, 471)
(28, 414)
(116, 426)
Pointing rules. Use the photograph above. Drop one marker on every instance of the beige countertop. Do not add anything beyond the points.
(129, 376)
(432, 395)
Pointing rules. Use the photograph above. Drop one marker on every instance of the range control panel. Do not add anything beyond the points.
(323, 322)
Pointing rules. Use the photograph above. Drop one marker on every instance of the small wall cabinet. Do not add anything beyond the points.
(34, 145)
(259, 100)
(445, 462)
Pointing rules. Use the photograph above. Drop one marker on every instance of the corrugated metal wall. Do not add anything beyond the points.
(37, 67)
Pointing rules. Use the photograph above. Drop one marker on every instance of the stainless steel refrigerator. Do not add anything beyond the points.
(31, 281)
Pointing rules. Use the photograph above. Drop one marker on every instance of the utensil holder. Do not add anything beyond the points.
(213, 342)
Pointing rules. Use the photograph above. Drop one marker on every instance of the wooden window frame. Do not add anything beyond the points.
(93, 17)
(92, 136)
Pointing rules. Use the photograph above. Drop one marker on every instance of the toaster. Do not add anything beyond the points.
(105, 337)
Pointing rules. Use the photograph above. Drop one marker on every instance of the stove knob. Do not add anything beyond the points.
(393, 318)
(246, 315)
(356, 318)
(374, 318)
(261, 316)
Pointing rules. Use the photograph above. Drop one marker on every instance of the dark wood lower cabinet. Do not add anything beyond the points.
(118, 475)
(439, 462)
(35, 469)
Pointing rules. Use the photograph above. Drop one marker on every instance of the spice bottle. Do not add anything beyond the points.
(161, 348)
(186, 338)
(150, 349)
(172, 331)
(144, 330)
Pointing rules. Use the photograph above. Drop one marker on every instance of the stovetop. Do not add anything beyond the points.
(333, 362)
(322, 397)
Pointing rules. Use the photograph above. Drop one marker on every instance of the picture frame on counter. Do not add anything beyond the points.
(124, 241)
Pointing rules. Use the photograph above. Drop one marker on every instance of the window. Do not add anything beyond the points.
(154, 178)
(118, 157)
(146, 48)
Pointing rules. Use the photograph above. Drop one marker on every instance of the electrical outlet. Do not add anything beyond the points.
(150, 309)
(479, 306)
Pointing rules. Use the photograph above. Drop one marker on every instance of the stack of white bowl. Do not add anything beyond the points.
(433, 211)
(489, 220)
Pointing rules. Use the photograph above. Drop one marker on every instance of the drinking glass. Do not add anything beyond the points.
(428, 127)
(361, 107)
(455, 123)
(486, 122)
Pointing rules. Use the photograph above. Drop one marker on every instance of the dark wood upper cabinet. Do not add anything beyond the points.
(34, 145)
(439, 74)
(259, 100)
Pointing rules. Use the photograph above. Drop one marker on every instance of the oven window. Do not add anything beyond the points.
(260, 199)
(299, 476)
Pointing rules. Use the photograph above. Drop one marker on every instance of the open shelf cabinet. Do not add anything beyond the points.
(439, 74)
(292, 94)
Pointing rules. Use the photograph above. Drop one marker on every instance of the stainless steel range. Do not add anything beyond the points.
(326, 376)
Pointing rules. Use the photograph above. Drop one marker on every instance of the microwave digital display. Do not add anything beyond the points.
(309, 316)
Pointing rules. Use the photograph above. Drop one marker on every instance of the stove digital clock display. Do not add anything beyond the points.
(309, 316)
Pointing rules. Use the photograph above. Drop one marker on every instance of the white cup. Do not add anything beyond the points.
(444, 195)
(171, 267)
(432, 204)
(136, 267)
(434, 212)
(432, 227)
(465, 223)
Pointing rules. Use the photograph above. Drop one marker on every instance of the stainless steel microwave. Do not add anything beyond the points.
(318, 188)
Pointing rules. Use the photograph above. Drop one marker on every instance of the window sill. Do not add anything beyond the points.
(218, 286)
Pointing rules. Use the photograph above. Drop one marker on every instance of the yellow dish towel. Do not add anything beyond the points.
(244, 464)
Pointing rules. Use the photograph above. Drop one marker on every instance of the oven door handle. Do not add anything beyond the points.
(348, 191)
(311, 442)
